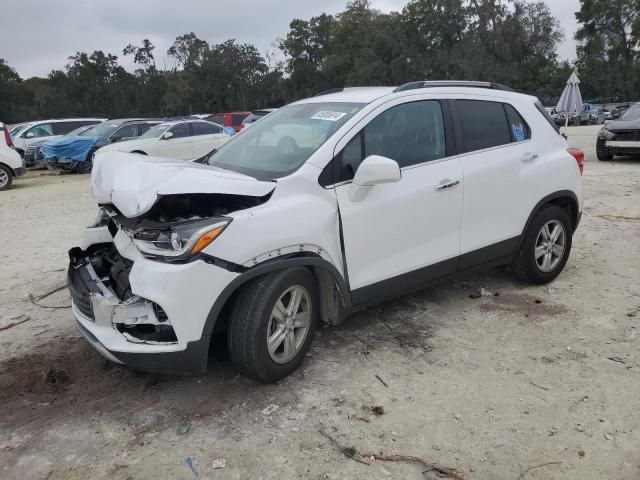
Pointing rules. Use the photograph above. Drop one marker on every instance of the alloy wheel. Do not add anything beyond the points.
(550, 245)
(4, 178)
(289, 324)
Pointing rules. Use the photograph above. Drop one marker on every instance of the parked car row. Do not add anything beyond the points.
(590, 115)
(69, 145)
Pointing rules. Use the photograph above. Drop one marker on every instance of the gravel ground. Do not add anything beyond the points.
(538, 382)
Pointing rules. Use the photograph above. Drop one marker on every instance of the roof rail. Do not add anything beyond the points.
(327, 92)
(452, 83)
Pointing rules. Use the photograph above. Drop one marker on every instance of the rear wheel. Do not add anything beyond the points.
(6, 177)
(272, 324)
(545, 248)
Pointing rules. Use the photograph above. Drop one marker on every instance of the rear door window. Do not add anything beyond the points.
(484, 124)
(62, 128)
(205, 128)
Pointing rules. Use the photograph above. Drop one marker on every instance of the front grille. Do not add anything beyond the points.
(80, 287)
(30, 155)
(629, 136)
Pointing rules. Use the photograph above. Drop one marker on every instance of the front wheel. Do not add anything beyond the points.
(6, 177)
(601, 152)
(545, 247)
(272, 324)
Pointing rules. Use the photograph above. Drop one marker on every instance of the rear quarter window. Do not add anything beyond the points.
(546, 115)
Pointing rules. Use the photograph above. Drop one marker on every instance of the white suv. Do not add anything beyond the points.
(373, 193)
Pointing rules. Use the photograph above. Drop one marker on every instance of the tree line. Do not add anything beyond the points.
(507, 41)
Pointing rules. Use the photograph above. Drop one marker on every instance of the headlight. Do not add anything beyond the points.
(605, 134)
(181, 240)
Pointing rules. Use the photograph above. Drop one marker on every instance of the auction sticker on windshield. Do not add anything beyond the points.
(331, 116)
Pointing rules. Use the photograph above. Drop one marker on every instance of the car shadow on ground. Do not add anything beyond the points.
(65, 378)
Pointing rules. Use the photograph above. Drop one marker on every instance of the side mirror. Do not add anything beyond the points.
(167, 135)
(374, 170)
(30, 135)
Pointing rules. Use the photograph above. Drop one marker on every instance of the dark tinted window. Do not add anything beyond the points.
(62, 128)
(237, 118)
(219, 119)
(519, 129)
(484, 124)
(204, 128)
(410, 134)
(180, 131)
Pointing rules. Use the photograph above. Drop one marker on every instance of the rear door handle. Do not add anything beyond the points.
(446, 183)
(528, 157)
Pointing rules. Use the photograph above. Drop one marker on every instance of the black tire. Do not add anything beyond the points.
(6, 177)
(601, 152)
(525, 266)
(250, 320)
(85, 167)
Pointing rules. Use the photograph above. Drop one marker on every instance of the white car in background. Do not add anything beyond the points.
(34, 132)
(10, 162)
(181, 140)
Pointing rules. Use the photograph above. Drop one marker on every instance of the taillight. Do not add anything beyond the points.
(7, 137)
(579, 156)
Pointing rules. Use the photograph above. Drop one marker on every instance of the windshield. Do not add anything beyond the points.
(18, 128)
(282, 141)
(79, 131)
(155, 132)
(21, 129)
(103, 129)
(632, 114)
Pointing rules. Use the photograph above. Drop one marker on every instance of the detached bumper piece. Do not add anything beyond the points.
(98, 281)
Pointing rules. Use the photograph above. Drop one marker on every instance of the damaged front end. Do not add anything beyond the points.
(99, 284)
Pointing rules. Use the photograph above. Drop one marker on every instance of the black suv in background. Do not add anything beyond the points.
(621, 136)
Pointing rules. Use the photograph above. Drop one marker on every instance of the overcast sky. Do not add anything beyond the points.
(36, 36)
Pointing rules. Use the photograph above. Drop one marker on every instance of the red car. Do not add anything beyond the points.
(231, 119)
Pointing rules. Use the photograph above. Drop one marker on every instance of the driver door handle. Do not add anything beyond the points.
(529, 157)
(447, 183)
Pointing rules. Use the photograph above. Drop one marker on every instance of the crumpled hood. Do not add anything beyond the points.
(621, 125)
(134, 183)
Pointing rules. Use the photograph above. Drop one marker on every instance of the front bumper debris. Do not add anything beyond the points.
(102, 316)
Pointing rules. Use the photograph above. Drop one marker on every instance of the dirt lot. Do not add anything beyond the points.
(536, 383)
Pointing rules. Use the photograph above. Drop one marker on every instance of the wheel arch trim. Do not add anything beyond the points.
(308, 259)
(553, 198)
(11, 170)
